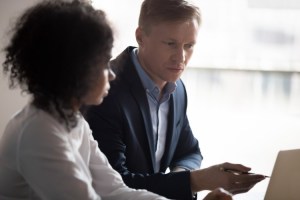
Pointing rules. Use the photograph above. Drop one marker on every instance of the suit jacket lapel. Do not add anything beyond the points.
(138, 92)
(144, 107)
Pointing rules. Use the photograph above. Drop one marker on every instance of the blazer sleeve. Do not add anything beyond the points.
(107, 122)
(187, 154)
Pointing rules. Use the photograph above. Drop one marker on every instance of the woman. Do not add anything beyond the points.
(59, 54)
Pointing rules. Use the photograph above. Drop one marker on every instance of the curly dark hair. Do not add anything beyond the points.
(56, 53)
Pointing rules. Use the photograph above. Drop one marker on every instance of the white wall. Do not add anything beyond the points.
(10, 100)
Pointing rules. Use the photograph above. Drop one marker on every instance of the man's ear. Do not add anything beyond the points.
(139, 34)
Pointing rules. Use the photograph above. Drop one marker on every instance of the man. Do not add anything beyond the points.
(142, 125)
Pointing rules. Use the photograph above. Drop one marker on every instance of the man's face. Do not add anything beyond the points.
(165, 50)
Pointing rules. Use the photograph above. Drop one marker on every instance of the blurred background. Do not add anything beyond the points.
(243, 81)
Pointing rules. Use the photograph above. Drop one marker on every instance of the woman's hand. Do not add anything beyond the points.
(218, 194)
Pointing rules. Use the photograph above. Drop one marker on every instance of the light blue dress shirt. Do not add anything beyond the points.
(159, 108)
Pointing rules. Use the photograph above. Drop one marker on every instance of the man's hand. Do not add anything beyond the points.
(222, 176)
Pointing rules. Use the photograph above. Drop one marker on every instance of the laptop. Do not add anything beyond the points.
(285, 179)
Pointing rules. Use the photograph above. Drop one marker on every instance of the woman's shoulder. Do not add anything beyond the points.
(33, 122)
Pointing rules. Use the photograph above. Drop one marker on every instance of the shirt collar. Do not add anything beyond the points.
(147, 82)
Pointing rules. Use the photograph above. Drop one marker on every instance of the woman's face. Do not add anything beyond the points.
(101, 87)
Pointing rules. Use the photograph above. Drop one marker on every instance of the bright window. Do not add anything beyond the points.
(235, 34)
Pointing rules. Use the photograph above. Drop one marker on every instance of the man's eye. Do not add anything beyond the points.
(189, 46)
(170, 43)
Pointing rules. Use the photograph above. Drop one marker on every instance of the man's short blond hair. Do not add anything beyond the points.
(156, 11)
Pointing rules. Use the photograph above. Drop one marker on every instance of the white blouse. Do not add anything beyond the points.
(39, 159)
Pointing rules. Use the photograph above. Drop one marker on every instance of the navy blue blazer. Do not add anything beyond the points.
(123, 128)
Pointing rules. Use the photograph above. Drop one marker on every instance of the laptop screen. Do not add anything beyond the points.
(285, 179)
